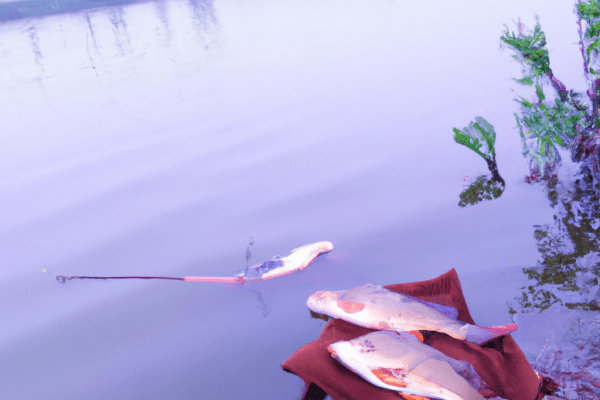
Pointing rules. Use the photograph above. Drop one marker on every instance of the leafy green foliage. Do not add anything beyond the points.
(589, 10)
(479, 136)
(592, 47)
(543, 128)
(590, 13)
(530, 51)
(569, 270)
(547, 123)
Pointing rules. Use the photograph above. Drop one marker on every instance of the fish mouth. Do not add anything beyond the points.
(321, 301)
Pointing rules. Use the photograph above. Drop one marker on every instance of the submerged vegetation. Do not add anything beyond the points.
(555, 120)
(569, 268)
(481, 188)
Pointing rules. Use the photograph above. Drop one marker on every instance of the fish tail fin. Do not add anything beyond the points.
(482, 334)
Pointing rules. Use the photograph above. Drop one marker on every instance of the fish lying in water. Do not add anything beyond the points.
(375, 307)
(399, 362)
(298, 259)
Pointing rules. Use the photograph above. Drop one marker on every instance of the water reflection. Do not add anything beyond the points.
(203, 11)
(34, 43)
(92, 33)
(264, 306)
(123, 43)
(162, 13)
(36, 8)
(107, 44)
(481, 188)
(570, 247)
(568, 271)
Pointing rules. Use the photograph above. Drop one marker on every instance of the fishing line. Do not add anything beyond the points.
(298, 259)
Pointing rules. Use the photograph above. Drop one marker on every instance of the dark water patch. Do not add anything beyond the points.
(38, 8)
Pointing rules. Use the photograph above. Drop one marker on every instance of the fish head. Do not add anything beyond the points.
(332, 304)
(303, 256)
(322, 302)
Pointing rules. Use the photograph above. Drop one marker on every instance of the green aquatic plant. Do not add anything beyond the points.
(568, 272)
(562, 120)
(480, 137)
(556, 118)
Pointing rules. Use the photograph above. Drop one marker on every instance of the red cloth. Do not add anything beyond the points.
(500, 363)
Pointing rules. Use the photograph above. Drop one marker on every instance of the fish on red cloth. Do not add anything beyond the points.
(500, 362)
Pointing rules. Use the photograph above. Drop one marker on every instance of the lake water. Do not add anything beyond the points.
(156, 138)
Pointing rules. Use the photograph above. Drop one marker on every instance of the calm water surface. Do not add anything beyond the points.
(157, 138)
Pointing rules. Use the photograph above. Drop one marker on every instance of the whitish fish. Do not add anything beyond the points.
(397, 361)
(375, 307)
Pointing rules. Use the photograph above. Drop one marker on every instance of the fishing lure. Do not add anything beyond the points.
(298, 259)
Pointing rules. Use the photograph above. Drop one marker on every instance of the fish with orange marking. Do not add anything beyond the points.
(375, 307)
(399, 362)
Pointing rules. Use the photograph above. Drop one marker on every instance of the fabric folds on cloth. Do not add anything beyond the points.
(500, 363)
